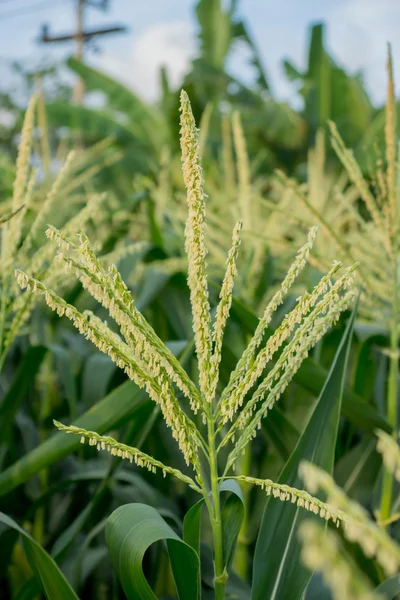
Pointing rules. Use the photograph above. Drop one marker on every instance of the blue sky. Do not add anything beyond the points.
(162, 32)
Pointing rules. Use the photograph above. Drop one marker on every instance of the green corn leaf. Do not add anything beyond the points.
(95, 125)
(121, 405)
(291, 72)
(277, 571)
(366, 366)
(280, 432)
(72, 531)
(48, 575)
(192, 526)
(96, 377)
(390, 588)
(138, 434)
(311, 377)
(22, 383)
(232, 519)
(358, 470)
(317, 589)
(27, 590)
(67, 378)
(79, 570)
(145, 117)
(152, 287)
(141, 490)
(156, 233)
(373, 139)
(130, 531)
(192, 529)
(91, 121)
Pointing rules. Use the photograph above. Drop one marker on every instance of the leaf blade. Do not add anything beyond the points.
(118, 406)
(232, 518)
(277, 545)
(130, 531)
(48, 575)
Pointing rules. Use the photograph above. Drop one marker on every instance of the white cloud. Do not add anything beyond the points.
(7, 117)
(164, 44)
(358, 34)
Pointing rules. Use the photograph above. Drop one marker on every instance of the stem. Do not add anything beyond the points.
(3, 306)
(241, 557)
(387, 489)
(3, 357)
(215, 516)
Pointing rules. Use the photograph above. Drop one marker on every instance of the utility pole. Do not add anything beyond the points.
(79, 88)
(81, 36)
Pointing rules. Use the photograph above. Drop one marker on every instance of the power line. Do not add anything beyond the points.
(34, 8)
(2, 2)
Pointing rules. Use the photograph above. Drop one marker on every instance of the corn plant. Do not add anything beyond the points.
(327, 553)
(211, 426)
(369, 234)
(36, 193)
(234, 193)
(36, 196)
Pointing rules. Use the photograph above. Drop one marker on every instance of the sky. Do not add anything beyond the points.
(162, 32)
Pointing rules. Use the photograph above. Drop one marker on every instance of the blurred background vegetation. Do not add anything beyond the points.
(128, 150)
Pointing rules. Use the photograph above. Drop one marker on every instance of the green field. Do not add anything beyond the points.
(206, 290)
